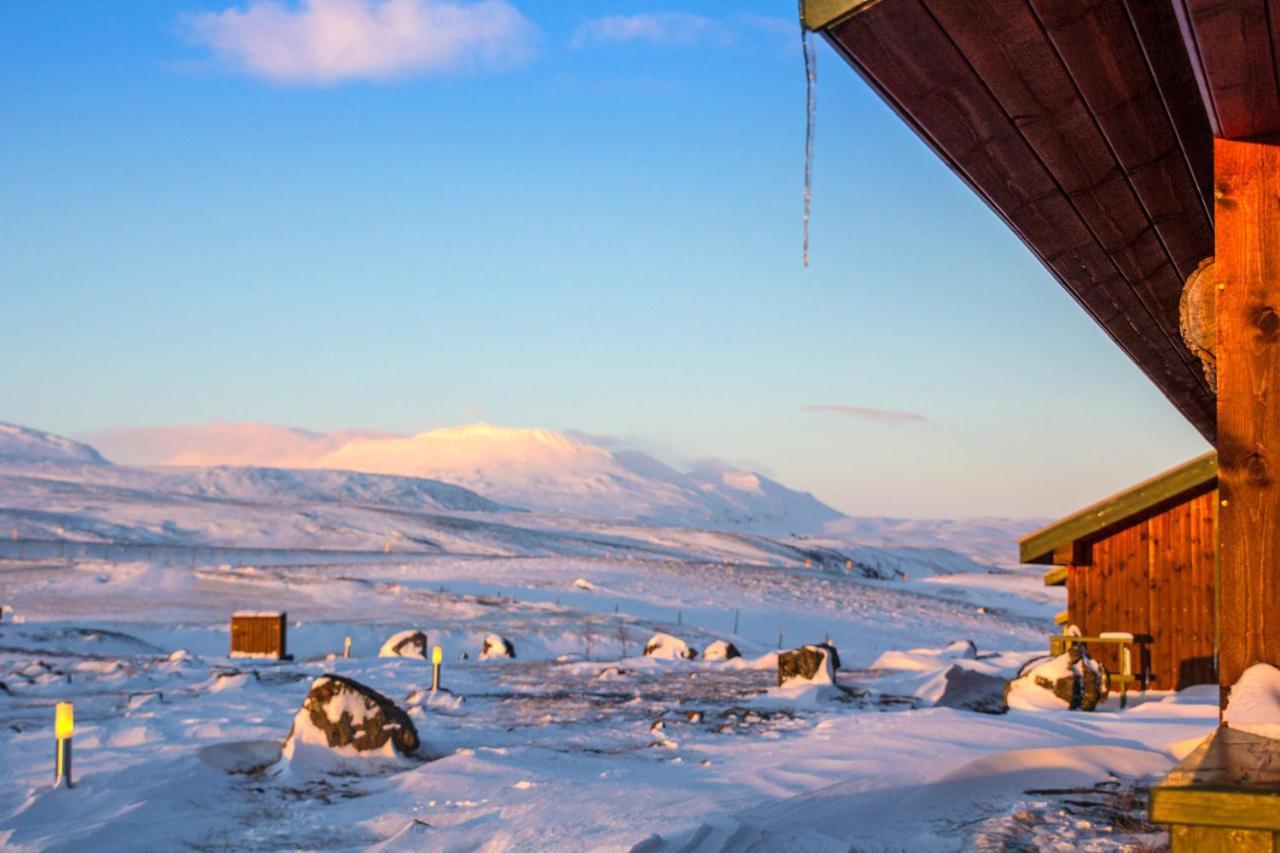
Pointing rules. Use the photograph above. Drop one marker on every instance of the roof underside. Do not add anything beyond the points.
(1087, 126)
(1122, 510)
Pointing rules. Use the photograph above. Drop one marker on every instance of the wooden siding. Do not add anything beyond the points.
(1155, 580)
(258, 635)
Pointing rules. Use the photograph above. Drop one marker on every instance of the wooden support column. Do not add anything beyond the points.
(1247, 250)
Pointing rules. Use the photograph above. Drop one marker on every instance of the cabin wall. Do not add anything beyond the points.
(1155, 580)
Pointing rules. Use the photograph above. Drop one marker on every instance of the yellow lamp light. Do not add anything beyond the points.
(437, 654)
(63, 721)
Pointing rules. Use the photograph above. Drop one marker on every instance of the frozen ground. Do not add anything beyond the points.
(118, 583)
(552, 750)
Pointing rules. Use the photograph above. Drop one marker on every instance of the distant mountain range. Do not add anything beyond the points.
(533, 469)
(186, 480)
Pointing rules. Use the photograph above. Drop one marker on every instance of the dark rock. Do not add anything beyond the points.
(721, 650)
(1075, 678)
(367, 719)
(666, 646)
(406, 644)
(973, 691)
(813, 663)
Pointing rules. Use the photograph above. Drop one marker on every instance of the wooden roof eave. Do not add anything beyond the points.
(1104, 174)
(1144, 500)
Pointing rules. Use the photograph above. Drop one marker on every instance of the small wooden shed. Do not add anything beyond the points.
(1142, 562)
(259, 634)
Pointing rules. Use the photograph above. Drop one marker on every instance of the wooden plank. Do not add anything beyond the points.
(1128, 106)
(914, 64)
(817, 14)
(1158, 31)
(1248, 268)
(1057, 576)
(1233, 45)
(1232, 779)
(1148, 497)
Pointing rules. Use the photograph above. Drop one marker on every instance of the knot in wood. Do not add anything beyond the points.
(1268, 322)
(1256, 469)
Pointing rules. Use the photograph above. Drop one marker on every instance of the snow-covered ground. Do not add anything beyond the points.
(120, 584)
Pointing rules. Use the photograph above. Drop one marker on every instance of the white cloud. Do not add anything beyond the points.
(867, 413)
(330, 41)
(658, 27)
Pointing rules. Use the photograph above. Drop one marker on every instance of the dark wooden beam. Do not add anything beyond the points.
(1233, 46)
(1247, 187)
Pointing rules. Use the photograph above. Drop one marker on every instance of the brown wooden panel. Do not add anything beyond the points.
(982, 84)
(1154, 579)
(1156, 25)
(1233, 42)
(1125, 100)
(258, 634)
(1248, 312)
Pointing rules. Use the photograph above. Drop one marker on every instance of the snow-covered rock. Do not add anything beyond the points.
(1072, 680)
(668, 647)
(497, 647)
(964, 649)
(812, 664)
(1254, 702)
(406, 644)
(343, 719)
(721, 650)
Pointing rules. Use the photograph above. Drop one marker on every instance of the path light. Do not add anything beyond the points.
(437, 655)
(63, 726)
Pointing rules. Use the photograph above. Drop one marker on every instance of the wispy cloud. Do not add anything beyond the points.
(672, 28)
(330, 41)
(867, 413)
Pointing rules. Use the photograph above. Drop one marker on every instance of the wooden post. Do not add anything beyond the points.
(1247, 251)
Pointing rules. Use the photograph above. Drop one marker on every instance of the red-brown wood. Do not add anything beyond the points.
(259, 635)
(1234, 44)
(1154, 579)
(1247, 188)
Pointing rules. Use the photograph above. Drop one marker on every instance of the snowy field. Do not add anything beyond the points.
(119, 586)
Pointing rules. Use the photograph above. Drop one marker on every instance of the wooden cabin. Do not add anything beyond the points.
(1141, 562)
(1134, 147)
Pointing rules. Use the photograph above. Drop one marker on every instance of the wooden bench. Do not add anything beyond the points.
(1059, 643)
(1223, 796)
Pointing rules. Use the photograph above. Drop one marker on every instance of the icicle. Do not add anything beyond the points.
(811, 79)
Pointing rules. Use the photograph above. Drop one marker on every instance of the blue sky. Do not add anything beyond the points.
(574, 215)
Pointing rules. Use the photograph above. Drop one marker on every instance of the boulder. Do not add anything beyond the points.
(973, 691)
(406, 644)
(812, 664)
(497, 647)
(721, 650)
(669, 647)
(1075, 679)
(349, 719)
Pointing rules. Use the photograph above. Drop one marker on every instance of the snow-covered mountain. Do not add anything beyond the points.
(26, 446)
(549, 472)
(534, 469)
(53, 486)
